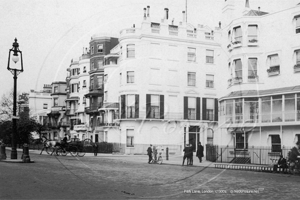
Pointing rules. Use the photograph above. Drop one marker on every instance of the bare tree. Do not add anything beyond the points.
(6, 108)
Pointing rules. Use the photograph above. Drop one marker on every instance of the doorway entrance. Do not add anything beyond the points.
(194, 136)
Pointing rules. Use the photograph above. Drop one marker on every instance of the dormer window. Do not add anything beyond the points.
(173, 30)
(209, 35)
(155, 27)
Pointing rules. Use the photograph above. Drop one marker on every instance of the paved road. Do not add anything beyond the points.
(89, 177)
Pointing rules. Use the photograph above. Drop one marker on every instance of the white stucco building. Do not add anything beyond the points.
(167, 83)
(262, 105)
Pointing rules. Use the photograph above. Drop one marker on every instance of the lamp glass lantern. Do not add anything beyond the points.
(15, 55)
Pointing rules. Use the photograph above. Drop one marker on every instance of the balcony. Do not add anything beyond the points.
(297, 68)
(274, 71)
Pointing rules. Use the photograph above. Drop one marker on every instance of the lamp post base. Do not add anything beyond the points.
(13, 154)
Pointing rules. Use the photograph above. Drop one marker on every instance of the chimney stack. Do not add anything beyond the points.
(166, 13)
(219, 24)
(258, 8)
(183, 16)
(247, 4)
(144, 13)
(148, 11)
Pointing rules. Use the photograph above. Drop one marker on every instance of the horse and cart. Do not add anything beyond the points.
(75, 147)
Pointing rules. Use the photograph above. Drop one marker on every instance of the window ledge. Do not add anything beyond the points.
(155, 58)
(210, 63)
(173, 60)
(209, 88)
(277, 73)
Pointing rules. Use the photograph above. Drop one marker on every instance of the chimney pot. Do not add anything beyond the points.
(183, 16)
(258, 8)
(148, 11)
(167, 13)
(144, 12)
(219, 24)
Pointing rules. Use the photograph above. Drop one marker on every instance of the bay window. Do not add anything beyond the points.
(251, 110)
(238, 107)
(265, 109)
(238, 68)
(277, 108)
(252, 33)
(238, 36)
(252, 69)
(130, 51)
(289, 107)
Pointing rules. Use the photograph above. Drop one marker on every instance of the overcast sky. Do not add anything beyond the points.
(52, 32)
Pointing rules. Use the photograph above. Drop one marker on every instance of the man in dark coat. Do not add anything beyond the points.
(187, 154)
(149, 152)
(281, 164)
(199, 153)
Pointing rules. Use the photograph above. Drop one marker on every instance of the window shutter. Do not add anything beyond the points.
(136, 106)
(198, 108)
(161, 105)
(123, 106)
(185, 107)
(204, 109)
(148, 105)
(216, 110)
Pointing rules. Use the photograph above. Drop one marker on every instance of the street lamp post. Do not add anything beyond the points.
(15, 71)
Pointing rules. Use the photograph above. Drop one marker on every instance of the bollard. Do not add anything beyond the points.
(3, 154)
(25, 156)
(167, 153)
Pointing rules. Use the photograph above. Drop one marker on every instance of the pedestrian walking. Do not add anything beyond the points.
(95, 149)
(149, 152)
(199, 153)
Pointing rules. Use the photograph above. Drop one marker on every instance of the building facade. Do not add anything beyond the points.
(262, 104)
(168, 77)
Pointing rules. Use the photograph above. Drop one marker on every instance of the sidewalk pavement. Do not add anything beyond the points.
(173, 159)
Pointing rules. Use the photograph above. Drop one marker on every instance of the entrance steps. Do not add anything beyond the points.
(259, 168)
